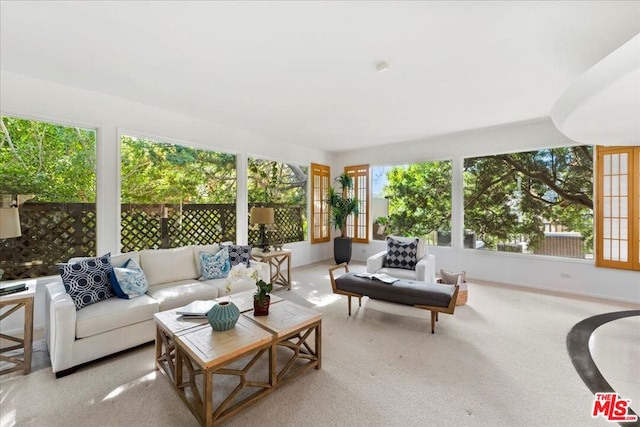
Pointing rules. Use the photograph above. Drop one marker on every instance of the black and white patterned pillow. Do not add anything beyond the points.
(87, 281)
(401, 254)
(239, 254)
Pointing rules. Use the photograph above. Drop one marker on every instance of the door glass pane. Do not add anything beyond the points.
(615, 164)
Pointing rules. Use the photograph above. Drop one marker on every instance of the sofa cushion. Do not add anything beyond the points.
(210, 249)
(214, 266)
(237, 285)
(128, 280)
(401, 253)
(114, 313)
(118, 260)
(177, 294)
(168, 265)
(87, 281)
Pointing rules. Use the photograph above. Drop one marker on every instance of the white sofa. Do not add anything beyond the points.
(75, 336)
(425, 268)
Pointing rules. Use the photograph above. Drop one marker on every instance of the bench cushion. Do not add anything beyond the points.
(409, 292)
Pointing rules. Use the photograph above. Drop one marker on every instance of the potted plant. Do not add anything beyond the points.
(262, 299)
(381, 228)
(341, 206)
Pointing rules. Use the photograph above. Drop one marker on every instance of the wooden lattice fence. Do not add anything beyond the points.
(170, 226)
(54, 232)
(51, 233)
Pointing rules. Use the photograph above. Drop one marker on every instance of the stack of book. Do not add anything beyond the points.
(196, 309)
(12, 289)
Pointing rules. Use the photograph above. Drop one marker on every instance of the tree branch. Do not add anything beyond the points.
(7, 137)
(579, 198)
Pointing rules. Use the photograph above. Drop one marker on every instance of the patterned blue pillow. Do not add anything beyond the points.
(214, 266)
(401, 254)
(129, 280)
(87, 281)
(239, 254)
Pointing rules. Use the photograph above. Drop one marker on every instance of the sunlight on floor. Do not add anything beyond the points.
(315, 293)
(121, 389)
(320, 300)
(8, 418)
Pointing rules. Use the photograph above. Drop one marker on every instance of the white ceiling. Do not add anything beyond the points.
(304, 72)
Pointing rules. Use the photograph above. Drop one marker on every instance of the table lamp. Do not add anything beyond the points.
(262, 217)
(9, 225)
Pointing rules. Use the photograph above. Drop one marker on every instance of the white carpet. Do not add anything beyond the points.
(500, 360)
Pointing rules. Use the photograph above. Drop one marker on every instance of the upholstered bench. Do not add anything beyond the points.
(437, 298)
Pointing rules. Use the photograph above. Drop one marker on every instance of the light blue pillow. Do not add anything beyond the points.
(214, 266)
(129, 280)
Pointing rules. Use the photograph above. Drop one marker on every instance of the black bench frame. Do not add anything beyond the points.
(432, 308)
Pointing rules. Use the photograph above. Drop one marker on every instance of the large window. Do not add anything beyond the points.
(174, 195)
(283, 187)
(358, 225)
(413, 200)
(320, 227)
(537, 202)
(48, 171)
(618, 208)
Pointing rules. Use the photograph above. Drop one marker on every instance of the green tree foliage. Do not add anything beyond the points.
(419, 198)
(57, 163)
(507, 197)
(154, 172)
(270, 182)
(53, 162)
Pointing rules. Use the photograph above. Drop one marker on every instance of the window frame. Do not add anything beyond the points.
(360, 176)
(318, 194)
(633, 207)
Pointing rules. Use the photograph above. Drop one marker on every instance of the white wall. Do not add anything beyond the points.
(548, 273)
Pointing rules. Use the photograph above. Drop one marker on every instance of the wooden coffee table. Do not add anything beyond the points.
(244, 300)
(292, 326)
(249, 361)
(205, 353)
(169, 324)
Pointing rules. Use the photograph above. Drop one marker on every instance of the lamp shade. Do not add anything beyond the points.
(9, 223)
(262, 216)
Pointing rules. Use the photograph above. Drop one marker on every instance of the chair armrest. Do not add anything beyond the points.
(60, 326)
(375, 262)
(426, 269)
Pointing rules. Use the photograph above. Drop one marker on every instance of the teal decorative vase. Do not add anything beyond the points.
(223, 316)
